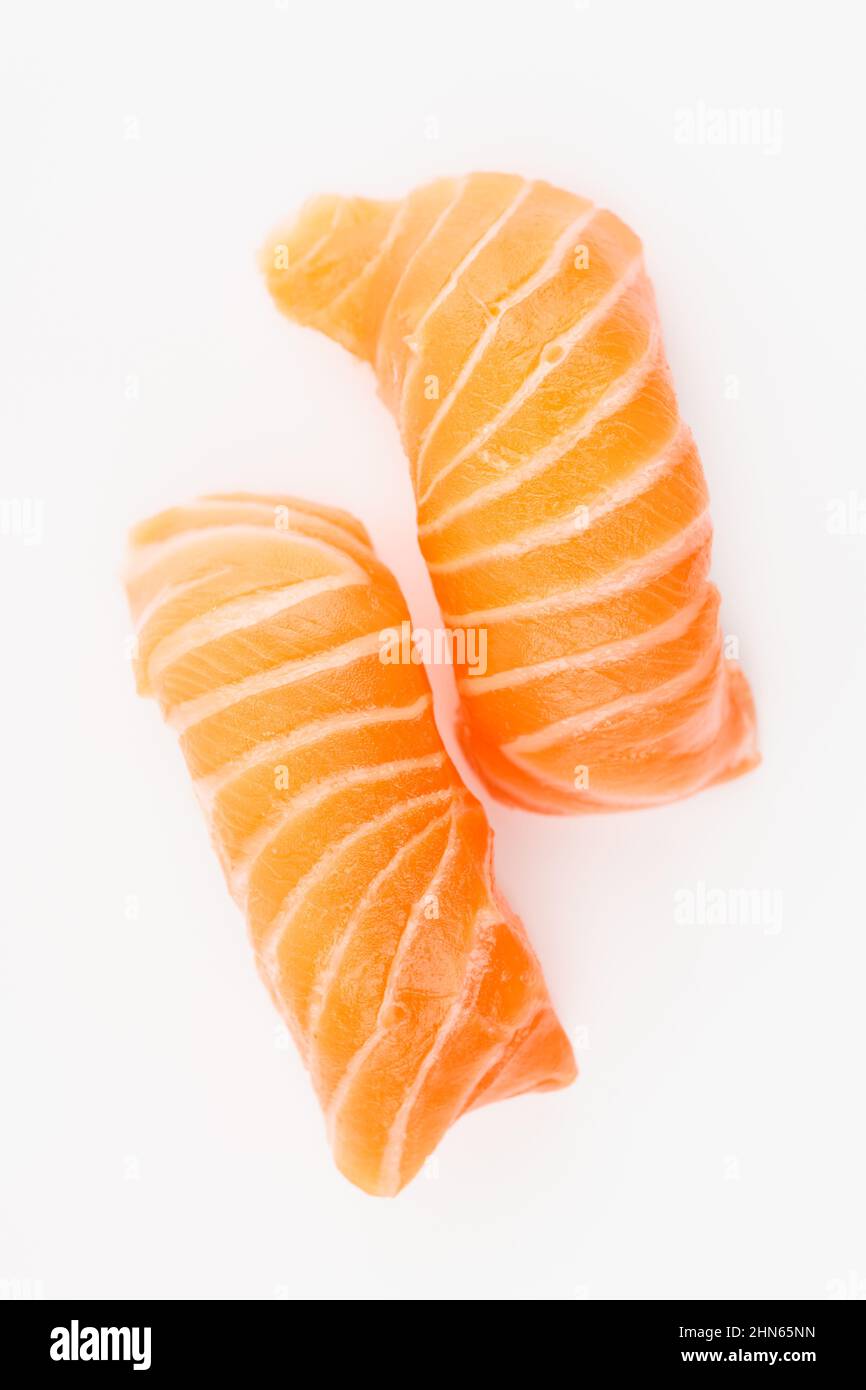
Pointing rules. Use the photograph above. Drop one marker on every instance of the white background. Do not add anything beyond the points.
(159, 1137)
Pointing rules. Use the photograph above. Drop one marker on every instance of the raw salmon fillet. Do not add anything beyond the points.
(361, 861)
(562, 508)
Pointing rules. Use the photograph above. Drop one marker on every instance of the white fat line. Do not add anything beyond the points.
(313, 795)
(504, 1055)
(621, 392)
(542, 276)
(625, 800)
(510, 1052)
(593, 318)
(508, 792)
(454, 279)
(146, 557)
(327, 975)
(575, 725)
(619, 801)
(169, 592)
(482, 937)
(602, 655)
(294, 509)
(367, 270)
(318, 244)
(244, 612)
(459, 189)
(699, 730)
(565, 528)
(209, 786)
(191, 712)
(621, 580)
(268, 951)
(356, 1062)
(692, 739)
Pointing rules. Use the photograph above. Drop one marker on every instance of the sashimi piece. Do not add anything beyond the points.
(361, 862)
(562, 507)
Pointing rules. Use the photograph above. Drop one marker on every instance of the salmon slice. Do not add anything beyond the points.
(562, 507)
(361, 862)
